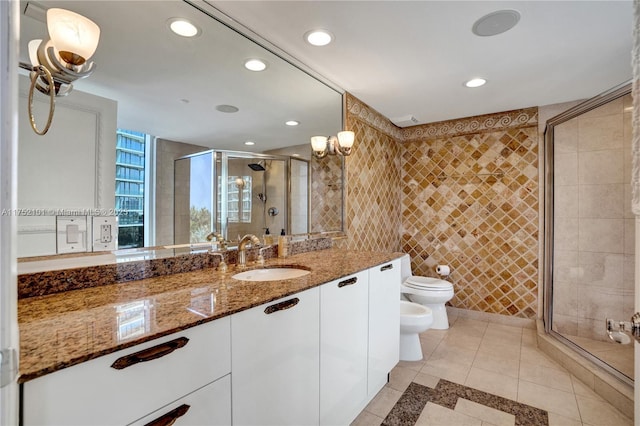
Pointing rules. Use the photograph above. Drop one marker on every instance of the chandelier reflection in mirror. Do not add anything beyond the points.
(340, 145)
(58, 62)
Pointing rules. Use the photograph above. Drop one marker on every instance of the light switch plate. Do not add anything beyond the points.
(105, 233)
(71, 234)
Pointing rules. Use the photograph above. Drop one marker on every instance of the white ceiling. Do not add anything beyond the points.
(412, 57)
(400, 57)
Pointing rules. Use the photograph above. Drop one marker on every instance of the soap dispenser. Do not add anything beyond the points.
(283, 244)
(267, 237)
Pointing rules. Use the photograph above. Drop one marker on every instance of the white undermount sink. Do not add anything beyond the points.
(270, 274)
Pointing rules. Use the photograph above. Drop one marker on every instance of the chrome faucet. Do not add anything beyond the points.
(242, 248)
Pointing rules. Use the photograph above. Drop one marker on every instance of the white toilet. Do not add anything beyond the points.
(429, 292)
(414, 319)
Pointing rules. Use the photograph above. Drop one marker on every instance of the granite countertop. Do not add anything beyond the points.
(64, 329)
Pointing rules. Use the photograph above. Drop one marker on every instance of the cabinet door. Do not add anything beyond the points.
(208, 406)
(343, 348)
(275, 359)
(384, 323)
(123, 386)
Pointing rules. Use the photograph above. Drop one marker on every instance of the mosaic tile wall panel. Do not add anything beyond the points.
(326, 193)
(471, 201)
(373, 213)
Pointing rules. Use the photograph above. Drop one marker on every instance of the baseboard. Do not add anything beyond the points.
(494, 318)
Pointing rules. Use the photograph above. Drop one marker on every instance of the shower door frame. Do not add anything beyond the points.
(586, 106)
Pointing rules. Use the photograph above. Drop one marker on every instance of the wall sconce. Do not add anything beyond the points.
(333, 145)
(58, 62)
(239, 182)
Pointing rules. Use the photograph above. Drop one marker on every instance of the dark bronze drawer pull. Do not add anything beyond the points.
(171, 417)
(149, 354)
(287, 304)
(387, 267)
(350, 281)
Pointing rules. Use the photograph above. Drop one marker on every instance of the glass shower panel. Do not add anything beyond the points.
(193, 207)
(299, 196)
(593, 230)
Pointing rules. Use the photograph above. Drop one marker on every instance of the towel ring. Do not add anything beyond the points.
(37, 72)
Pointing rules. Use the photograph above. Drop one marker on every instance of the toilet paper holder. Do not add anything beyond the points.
(622, 331)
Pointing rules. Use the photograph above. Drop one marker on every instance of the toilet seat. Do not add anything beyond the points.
(427, 283)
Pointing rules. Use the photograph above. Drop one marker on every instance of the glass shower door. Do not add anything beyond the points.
(592, 276)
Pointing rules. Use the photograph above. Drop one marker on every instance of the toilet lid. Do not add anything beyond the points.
(428, 283)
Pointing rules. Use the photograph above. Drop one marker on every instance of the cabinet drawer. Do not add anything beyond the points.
(148, 376)
(210, 406)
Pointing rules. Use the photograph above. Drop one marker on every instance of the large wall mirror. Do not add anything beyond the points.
(155, 98)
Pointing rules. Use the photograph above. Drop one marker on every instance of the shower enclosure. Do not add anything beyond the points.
(238, 193)
(589, 228)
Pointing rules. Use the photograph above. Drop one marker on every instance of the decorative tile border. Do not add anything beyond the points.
(446, 394)
(463, 126)
(363, 112)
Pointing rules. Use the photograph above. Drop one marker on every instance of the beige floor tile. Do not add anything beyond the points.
(507, 366)
(550, 399)
(448, 353)
(533, 356)
(503, 331)
(451, 371)
(598, 413)
(365, 418)
(558, 420)
(474, 327)
(546, 376)
(494, 383)
(484, 413)
(412, 365)
(436, 415)
(383, 402)
(499, 349)
(463, 341)
(426, 380)
(400, 378)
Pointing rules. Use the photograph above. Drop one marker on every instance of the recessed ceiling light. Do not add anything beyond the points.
(475, 82)
(496, 23)
(318, 37)
(292, 123)
(249, 143)
(227, 108)
(183, 28)
(255, 65)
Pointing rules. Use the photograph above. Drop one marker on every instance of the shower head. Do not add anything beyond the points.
(257, 167)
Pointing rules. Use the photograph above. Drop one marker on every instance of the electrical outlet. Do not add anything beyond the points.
(105, 233)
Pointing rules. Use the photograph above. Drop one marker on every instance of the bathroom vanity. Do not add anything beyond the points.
(203, 348)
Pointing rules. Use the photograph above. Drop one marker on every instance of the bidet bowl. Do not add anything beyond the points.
(271, 274)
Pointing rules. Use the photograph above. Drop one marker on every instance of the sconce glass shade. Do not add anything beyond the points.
(33, 51)
(75, 37)
(319, 143)
(346, 138)
(240, 182)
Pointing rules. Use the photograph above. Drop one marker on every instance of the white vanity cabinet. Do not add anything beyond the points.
(343, 348)
(275, 359)
(384, 323)
(210, 405)
(127, 385)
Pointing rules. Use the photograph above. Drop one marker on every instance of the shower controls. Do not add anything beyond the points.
(622, 331)
(273, 211)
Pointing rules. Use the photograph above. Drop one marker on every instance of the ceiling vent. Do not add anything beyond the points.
(496, 23)
(405, 121)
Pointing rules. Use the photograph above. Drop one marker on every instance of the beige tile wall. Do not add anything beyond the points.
(485, 228)
(373, 192)
(594, 238)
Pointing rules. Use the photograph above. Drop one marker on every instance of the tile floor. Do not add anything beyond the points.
(496, 359)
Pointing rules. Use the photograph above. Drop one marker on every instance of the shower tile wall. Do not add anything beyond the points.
(485, 227)
(594, 226)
